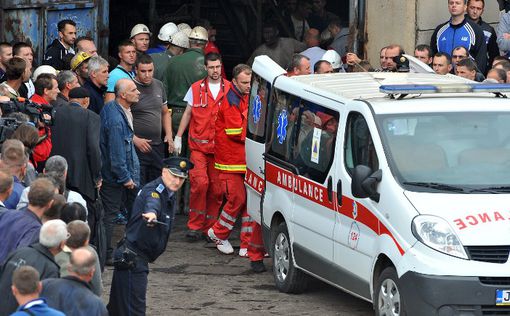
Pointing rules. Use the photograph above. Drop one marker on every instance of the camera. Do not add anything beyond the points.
(36, 112)
(7, 127)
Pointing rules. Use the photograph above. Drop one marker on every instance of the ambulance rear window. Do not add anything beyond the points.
(259, 103)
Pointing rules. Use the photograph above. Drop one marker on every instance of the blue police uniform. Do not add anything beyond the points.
(142, 244)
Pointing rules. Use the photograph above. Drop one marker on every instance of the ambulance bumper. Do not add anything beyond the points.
(452, 295)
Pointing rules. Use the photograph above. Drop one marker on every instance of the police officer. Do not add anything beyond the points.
(147, 233)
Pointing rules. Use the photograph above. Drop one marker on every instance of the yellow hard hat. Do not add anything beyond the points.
(78, 59)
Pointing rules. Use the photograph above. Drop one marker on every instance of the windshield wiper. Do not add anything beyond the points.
(493, 190)
(437, 186)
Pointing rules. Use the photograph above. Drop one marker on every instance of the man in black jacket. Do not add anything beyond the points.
(40, 255)
(75, 137)
(474, 13)
(60, 51)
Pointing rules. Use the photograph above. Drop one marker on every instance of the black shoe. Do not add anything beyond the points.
(193, 235)
(258, 266)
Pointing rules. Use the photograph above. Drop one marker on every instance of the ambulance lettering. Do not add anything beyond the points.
(254, 181)
(300, 186)
(477, 219)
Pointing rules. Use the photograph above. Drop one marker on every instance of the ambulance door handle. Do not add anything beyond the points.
(339, 192)
(330, 189)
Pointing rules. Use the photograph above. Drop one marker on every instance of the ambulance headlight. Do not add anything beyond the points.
(436, 233)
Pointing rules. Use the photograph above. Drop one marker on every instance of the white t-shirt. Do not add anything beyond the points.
(213, 87)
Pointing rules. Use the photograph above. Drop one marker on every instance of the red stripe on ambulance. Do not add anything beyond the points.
(254, 181)
(318, 194)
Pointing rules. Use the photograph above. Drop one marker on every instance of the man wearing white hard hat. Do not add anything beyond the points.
(140, 36)
(177, 43)
(334, 59)
(164, 34)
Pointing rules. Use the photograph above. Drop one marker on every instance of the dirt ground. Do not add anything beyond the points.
(195, 279)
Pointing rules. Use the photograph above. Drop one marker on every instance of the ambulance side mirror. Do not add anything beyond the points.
(364, 182)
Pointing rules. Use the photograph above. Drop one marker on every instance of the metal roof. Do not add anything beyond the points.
(365, 85)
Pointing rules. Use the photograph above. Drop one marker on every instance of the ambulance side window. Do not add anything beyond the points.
(359, 147)
(259, 101)
(314, 149)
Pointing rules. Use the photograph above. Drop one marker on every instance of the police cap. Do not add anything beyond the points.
(178, 166)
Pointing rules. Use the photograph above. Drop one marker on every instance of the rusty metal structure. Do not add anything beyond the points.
(35, 21)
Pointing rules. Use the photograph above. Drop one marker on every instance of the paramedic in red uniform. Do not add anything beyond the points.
(204, 99)
(230, 160)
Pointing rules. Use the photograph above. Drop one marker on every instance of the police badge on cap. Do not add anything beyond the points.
(178, 166)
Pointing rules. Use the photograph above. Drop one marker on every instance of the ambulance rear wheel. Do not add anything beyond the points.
(388, 296)
(287, 277)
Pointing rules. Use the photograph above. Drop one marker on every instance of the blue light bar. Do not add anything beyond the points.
(445, 88)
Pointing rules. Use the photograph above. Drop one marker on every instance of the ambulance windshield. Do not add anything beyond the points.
(449, 152)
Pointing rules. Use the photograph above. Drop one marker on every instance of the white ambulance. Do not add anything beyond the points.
(394, 187)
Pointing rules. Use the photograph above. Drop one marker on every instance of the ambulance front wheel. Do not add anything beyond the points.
(288, 278)
(388, 296)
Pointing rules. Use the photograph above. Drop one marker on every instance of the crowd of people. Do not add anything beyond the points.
(114, 141)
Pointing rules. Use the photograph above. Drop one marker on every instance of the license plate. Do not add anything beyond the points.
(502, 297)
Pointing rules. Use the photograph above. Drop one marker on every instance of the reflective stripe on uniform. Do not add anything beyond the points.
(227, 216)
(209, 217)
(246, 219)
(200, 141)
(197, 211)
(248, 229)
(233, 131)
(225, 224)
(230, 167)
(255, 245)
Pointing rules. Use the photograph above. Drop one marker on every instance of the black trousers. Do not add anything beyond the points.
(151, 163)
(114, 196)
(128, 290)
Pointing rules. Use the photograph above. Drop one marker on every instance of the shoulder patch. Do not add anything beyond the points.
(155, 195)
(160, 188)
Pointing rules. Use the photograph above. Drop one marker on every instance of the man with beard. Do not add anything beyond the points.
(60, 51)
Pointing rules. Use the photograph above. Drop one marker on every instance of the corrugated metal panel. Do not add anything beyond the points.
(35, 21)
(84, 16)
(22, 25)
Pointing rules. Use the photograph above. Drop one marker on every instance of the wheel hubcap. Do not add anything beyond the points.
(281, 257)
(389, 299)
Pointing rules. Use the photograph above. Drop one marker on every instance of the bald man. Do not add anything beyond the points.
(120, 167)
(313, 52)
(71, 294)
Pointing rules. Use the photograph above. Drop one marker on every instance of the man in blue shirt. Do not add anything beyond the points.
(125, 68)
(120, 169)
(26, 288)
(459, 31)
(21, 228)
(146, 238)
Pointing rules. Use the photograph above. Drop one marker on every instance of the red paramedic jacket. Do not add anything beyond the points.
(229, 151)
(204, 113)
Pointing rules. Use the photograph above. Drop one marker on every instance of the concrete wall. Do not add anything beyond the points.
(409, 23)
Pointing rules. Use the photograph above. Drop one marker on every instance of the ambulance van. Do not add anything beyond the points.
(394, 187)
